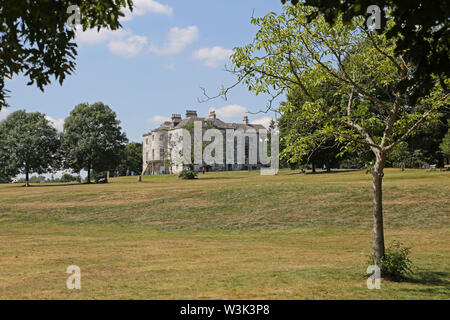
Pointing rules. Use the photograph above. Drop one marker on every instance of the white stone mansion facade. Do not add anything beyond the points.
(157, 143)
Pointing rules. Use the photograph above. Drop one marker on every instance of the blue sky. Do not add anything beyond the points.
(156, 65)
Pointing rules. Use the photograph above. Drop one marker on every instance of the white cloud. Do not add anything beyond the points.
(157, 119)
(177, 40)
(142, 7)
(58, 124)
(265, 121)
(129, 47)
(92, 36)
(230, 111)
(212, 56)
(121, 42)
(3, 113)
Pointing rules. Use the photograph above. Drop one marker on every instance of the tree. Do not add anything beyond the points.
(132, 159)
(36, 40)
(67, 177)
(372, 106)
(92, 139)
(426, 141)
(421, 30)
(445, 144)
(401, 154)
(300, 139)
(29, 144)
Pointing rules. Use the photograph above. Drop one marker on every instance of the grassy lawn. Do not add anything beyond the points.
(226, 235)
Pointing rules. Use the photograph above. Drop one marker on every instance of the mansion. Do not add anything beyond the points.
(158, 143)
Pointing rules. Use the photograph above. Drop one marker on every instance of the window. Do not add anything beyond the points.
(146, 141)
(153, 137)
(161, 136)
(153, 154)
(161, 153)
(146, 156)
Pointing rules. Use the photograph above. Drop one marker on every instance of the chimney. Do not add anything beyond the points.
(245, 120)
(212, 114)
(191, 114)
(176, 118)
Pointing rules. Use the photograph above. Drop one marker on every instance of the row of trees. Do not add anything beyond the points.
(427, 146)
(92, 140)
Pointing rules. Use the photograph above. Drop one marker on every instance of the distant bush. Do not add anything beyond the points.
(396, 264)
(66, 177)
(188, 174)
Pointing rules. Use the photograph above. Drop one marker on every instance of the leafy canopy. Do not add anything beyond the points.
(421, 30)
(35, 39)
(445, 144)
(370, 105)
(131, 159)
(92, 138)
(29, 144)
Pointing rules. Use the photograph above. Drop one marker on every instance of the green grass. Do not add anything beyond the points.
(225, 235)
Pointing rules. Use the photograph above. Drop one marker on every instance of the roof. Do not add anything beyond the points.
(213, 122)
(219, 124)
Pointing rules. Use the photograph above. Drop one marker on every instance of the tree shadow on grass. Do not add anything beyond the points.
(434, 278)
(325, 171)
(205, 177)
(431, 285)
(43, 185)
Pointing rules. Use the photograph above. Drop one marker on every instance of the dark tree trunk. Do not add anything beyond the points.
(89, 174)
(378, 228)
(27, 180)
(313, 168)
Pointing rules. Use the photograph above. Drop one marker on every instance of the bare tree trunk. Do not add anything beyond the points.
(378, 229)
(313, 167)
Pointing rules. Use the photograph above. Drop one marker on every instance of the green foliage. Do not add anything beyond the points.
(301, 142)
(188, 174)
(67, 177)
(445, 144)
(131, 159)
(427, 47)
(424, 145)
(396, 264)
(402, 156)
(92, 138)
(350, 81)
(29, 144)
(36, 41)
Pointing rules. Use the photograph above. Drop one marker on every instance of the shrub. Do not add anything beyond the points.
(396, 264)
(68, 178)
(188, 174)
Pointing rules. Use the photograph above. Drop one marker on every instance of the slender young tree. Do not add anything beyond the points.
(29, 144)
(374, 108)
(92, 139)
